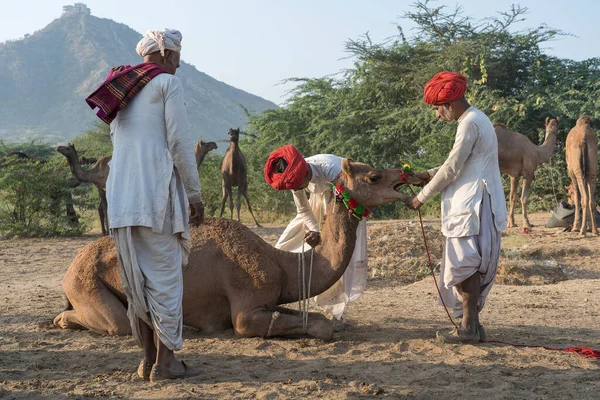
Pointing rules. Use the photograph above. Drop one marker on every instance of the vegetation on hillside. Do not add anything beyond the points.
(374, 112)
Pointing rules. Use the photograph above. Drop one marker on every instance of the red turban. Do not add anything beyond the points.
(445, 87)
(295, 168)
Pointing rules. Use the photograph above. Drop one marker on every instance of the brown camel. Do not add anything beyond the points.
(234, 278)
(202, 149)
(519, 157)
(235, 173)
(581, 150)
(97, 175)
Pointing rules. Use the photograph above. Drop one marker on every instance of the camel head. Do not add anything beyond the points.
(552, 125)
(583, 120)
(67, 151)
(372, 187)
(234, 135)
(207, 146)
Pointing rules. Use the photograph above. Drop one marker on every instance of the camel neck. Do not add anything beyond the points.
(546, 149)
(331, 257)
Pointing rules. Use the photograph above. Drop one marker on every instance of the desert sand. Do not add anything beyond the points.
(546, 294)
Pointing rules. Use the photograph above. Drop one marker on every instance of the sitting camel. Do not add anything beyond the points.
(97, 175)
(519, 157)
(234, 278)
(235, 173)
(581, 150)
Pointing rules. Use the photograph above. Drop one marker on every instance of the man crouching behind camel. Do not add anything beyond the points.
(153, 176)
(473, 206)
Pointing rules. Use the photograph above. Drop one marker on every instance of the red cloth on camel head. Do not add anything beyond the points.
(285, 168)
(445, 87)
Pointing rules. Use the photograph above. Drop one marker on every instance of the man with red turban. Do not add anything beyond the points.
(473, 206)
(287, 169)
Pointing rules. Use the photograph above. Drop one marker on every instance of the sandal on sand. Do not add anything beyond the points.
(482, 334)
(159, 374)
(459, 336)
(144, 369)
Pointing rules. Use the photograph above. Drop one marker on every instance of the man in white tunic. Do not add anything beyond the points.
(287, 169)
(473, 206)
(152, 179)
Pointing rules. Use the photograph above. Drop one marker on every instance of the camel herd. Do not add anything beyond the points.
(235, 279)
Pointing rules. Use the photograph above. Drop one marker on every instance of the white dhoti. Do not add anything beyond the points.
(151, 274)
(354, 281)
(464, 256)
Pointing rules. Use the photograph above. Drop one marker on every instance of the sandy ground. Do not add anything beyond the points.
(387, 350)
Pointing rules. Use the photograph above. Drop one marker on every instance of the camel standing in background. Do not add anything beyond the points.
(97, 175)
(234, 279)
(581, 150)
(202, 149)
(235, 173)
(519, 157)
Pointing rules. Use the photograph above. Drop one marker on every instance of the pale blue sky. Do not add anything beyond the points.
(255, 44)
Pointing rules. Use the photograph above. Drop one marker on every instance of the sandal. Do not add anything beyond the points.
(159, 374)
(459, 336)
(144, 369)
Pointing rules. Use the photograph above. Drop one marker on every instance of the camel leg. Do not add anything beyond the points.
(514, 188)
(223, 200)
(577, 200)
(104, 218)
(282, 322)
(592, 206)
(524, 200)
(230, 194)
(238, 202)
(245, 193)
(584, 205)
(94, 307)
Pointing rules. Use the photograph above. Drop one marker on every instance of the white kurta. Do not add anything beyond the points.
(325, 169)
(473, 208)
(152, 175)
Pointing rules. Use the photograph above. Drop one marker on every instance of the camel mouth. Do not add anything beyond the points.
(398, 186)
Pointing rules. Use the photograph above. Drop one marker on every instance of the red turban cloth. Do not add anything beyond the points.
(285, 168)
(445, 87)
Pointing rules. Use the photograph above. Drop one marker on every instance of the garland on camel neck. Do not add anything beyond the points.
(356, 210)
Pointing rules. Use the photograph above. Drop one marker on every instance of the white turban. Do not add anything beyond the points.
(153, 41)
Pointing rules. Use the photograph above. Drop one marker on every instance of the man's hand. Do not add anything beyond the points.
(312, 238)
(413, 202)
(196, 213)
(424, 176)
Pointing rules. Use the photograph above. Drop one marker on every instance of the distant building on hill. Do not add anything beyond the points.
(77, 8)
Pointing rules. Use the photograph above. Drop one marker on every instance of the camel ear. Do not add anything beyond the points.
(557, 119)
(202, 143)
(547, 120)
(347, 167)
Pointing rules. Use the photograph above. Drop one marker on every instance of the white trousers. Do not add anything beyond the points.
(464, 256)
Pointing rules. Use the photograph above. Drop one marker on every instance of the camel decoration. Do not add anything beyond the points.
(234, 278)
(519, 157)
(235, 173)
(96, 175)
(581, 150)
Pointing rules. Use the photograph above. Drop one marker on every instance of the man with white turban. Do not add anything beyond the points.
(152, 178)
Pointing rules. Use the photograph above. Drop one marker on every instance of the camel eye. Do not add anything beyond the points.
(374, 178)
